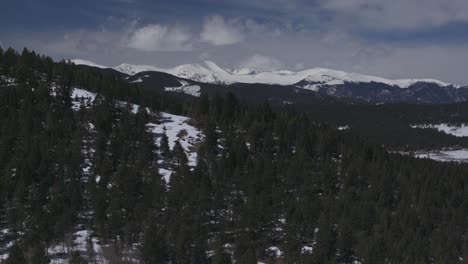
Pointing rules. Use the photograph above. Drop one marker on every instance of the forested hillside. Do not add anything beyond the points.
(389, 124)
(81, 180)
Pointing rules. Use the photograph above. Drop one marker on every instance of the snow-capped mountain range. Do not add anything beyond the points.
(209, 72)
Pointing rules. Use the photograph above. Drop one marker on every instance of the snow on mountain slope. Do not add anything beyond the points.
(134, 69)
(332, 77)
(458, 131)
(460, 155)
(193, 90)
(209, 72)
(88, 63)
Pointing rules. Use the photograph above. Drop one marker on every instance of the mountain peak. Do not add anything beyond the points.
(210, 72)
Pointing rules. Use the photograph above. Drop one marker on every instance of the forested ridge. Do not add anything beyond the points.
(389, 124)
(271, 185)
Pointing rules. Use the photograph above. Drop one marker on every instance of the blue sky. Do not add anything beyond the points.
(394, 39)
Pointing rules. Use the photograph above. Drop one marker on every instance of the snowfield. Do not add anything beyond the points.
(458, 131)
(445, 156)
(455, 155)
(209, 72)
(193, 90)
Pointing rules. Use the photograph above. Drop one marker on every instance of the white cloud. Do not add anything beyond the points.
(218, 32)
(79, 43)
(261, 62)
(155, 37)
(335, 45)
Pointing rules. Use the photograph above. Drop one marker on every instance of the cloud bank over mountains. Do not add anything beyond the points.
(394, 39)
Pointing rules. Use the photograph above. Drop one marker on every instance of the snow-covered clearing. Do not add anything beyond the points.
(458, 131)
(177, 128)
(193, 90)
(460, 155)
(81, 97)
(81, 241)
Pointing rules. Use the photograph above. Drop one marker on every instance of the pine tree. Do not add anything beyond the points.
(16, 255)
(39, 255)
(220, 257)
(178, 155)
(154, 248)
(75, 258)
(165, 151)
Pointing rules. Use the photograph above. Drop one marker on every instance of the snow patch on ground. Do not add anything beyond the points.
(7, 81)
(5, 244)
(460, 155)
(177, 128)
(458, 131)
(193, 90)
(274, 251)
(139, 80)
(81, 97)
(307, 250)
(166, 174)
(81, 241)
(311, 87)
